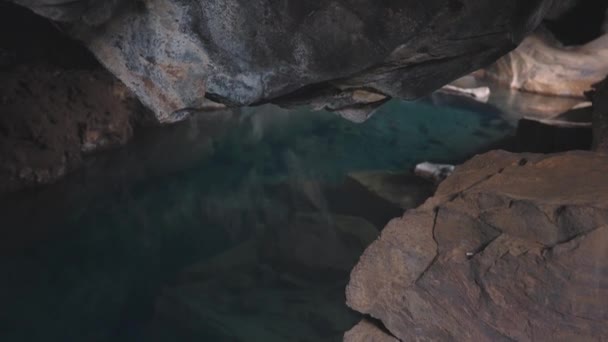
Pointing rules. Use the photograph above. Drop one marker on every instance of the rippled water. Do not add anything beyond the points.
(233, 226)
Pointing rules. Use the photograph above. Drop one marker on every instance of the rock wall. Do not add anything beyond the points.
(511, 247)
(56, 103)
(543, 65)
(52, 117)
(565, 57)
(175, 54)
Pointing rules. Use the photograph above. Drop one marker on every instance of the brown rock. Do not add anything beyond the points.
(56, 102)
(324, 242)
(50, 117)
(512, 247)
(366, 331)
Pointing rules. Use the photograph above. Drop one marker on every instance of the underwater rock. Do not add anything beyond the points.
(402, 189)
(499, 253)
(255, 309)
(318, 242)
(173, 55)
(256, 289)
(309, 242)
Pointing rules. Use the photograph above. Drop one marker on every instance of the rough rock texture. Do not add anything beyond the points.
(241, 52)
(542, 65)
(56, 102)
(500, 253)
(50, 118)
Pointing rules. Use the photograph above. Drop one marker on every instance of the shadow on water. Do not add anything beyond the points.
(233, 226)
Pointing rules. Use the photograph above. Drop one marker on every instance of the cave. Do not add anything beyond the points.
(582, 23)
(340, 170)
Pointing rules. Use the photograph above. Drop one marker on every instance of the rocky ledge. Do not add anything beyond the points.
(511, 247)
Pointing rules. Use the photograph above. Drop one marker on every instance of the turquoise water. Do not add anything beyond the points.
(234, 226)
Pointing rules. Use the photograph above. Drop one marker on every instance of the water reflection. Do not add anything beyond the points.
(234, 226)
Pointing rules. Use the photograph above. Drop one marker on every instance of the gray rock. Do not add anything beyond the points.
(173, 54)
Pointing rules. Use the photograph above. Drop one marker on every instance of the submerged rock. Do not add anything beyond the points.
(320, 243)
(257, 290)
(499, 253)
(401, 189)
(173, 55)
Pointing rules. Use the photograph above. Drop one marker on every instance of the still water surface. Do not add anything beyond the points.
(235, 226)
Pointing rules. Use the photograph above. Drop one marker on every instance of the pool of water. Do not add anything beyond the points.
(234, 226)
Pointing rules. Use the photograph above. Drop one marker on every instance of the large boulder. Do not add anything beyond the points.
(174, 54)
(500, 253)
